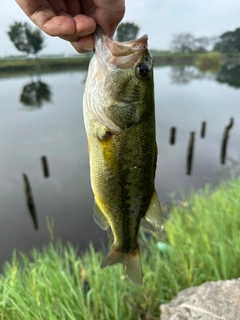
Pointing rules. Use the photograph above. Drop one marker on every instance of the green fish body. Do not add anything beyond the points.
(120, 125)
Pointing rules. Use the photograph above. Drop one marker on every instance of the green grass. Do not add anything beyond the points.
(13, 67)
(18, 66)
(56, 283)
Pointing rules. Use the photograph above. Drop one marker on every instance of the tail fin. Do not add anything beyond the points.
(130, 259)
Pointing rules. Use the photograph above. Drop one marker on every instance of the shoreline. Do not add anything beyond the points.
(12, 67)
(15, 67)
(200, 243)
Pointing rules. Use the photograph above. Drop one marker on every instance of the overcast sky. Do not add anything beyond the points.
(160, 19)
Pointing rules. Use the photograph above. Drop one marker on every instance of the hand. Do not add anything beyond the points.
(75, 20)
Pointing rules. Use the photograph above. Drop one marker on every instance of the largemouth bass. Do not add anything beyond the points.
(119, 118)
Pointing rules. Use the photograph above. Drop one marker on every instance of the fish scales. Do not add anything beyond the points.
(120, 125)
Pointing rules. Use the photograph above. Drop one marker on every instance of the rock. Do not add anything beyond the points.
(210, 301)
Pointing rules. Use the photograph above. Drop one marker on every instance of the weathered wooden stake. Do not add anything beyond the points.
(45, 166)
(190, 151)
(30, 200)
(172, 139)
(203, 129)
(223, 152)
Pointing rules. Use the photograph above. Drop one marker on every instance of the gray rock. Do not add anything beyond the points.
(211, 301)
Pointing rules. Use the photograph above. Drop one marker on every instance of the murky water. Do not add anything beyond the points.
(43, 117)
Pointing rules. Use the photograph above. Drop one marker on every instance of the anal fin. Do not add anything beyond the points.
(130, 259)
(153, 216)
(99, 217)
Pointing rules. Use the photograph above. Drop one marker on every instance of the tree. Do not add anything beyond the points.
(127, 31)
(25, 38)
(201, 44)
(183, 43)
(187, 43)
(229, 42)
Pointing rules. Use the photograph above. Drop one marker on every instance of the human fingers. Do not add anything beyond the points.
(73, 7)
(66, 27)
(108, 14)
(84, 44)
(84, 26)
(45, 17)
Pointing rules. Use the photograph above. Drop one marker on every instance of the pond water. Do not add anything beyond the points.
(42, 116)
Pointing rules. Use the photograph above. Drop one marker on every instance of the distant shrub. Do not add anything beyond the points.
(210, 61)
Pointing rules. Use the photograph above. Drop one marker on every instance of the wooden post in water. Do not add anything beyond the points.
(190, 151)
(225, 138)
(45, 166)
(203, 129)
(172, 135)
(30, 200)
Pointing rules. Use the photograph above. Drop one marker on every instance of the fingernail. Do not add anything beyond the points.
(87, 49)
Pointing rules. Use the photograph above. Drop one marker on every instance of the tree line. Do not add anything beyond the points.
(31, 41)
(228, 42)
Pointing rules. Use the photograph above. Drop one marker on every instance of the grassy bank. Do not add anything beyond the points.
(204, 240)
(12, 67)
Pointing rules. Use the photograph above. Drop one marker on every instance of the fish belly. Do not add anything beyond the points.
(122, 177)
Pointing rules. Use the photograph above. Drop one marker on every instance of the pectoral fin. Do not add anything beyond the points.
(124, 115)
(99, 217)
(153, 216)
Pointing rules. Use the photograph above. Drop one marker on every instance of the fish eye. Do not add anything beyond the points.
(143, 71)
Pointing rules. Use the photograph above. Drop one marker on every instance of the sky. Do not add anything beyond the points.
(160, 19)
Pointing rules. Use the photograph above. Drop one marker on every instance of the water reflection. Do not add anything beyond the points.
(228, 74)
(35, 94)
(59, 135)
(30, 200)
(184, 74)
(225, 139)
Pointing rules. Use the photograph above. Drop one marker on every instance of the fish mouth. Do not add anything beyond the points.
(122, 54)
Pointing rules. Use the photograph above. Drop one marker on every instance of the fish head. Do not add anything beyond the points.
(123, 75)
